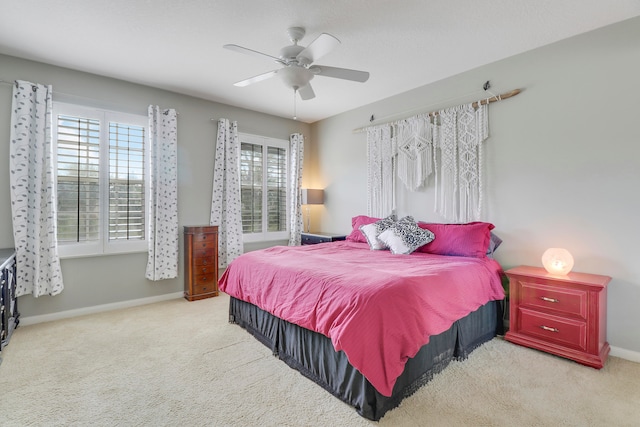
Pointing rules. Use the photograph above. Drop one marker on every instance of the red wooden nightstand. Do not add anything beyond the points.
(562, 315)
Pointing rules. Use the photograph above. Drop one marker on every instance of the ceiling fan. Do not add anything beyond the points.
(299, 63)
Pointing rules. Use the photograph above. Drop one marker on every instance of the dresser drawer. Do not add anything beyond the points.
(561, 300)
(204, 284)
(204, 237)
(204, 278)
(204, 269)
(203, 245)
(202, 253)
(554, 329)
(204, 288)
(204, 260)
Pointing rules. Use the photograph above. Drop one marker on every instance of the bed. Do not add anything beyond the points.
(369, 326)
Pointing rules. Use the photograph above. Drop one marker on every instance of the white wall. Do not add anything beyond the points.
(562, 162)
(111, 279)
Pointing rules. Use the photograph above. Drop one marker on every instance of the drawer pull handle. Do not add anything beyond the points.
(549, 299)
(546, 328)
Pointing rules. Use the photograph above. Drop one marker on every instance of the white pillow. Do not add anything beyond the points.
(405, 236)
(372, 231)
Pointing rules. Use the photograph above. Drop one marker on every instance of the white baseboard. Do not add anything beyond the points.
(623, 353)
(31, 320)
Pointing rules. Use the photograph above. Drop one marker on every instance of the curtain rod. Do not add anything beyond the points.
(494, 98)
(105, 106)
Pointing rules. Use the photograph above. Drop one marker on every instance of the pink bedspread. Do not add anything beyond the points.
(377, 307)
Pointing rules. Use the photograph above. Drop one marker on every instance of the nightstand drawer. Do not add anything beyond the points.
(555, 298)
(314, 238)
(310, 239)
(563, 331)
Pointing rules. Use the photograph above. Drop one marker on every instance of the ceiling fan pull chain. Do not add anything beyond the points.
(295, 115)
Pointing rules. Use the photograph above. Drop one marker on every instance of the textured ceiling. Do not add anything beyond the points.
(177, 45)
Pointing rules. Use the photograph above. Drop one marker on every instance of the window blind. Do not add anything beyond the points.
(251, 187)
(78, 179)
(276, 189)
(126, 182)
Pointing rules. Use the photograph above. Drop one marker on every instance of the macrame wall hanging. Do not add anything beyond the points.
(380, 171)
(448, 142)
(459, 135)
(414, 139)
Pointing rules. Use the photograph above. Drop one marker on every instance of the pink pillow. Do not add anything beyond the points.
(470, 239)
(357, 222)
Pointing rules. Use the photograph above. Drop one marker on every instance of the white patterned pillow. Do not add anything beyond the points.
(372, 231)
(405, 236)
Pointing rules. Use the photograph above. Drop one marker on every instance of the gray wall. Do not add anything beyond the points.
(562, 162)
(115, 278)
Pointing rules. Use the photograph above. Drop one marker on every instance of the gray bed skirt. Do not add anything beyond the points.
(313, 355)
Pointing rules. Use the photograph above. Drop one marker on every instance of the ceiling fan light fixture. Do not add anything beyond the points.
(295, 77)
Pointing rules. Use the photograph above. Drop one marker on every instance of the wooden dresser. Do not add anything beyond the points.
(200, 262)
(562, 315)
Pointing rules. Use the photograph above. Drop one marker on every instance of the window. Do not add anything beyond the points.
(263, 187)
(101, 175)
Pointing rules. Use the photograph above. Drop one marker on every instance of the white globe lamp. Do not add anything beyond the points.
(557, 261)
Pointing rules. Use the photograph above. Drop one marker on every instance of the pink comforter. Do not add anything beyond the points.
(377, 307)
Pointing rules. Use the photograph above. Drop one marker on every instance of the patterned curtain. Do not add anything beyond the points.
(32, 187)
(459, 135)
(296, 146)
(381, 151)
(163, 200)
(225, 202)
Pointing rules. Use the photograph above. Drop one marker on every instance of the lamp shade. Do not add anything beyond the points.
(312, 197)
(557, 261)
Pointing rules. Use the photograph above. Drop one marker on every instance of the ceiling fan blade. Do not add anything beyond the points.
(318, 48)
(340, 73)
(246, 51)
(256, 79)
(306, 92)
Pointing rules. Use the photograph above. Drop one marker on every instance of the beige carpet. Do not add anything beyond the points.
(180, 363)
